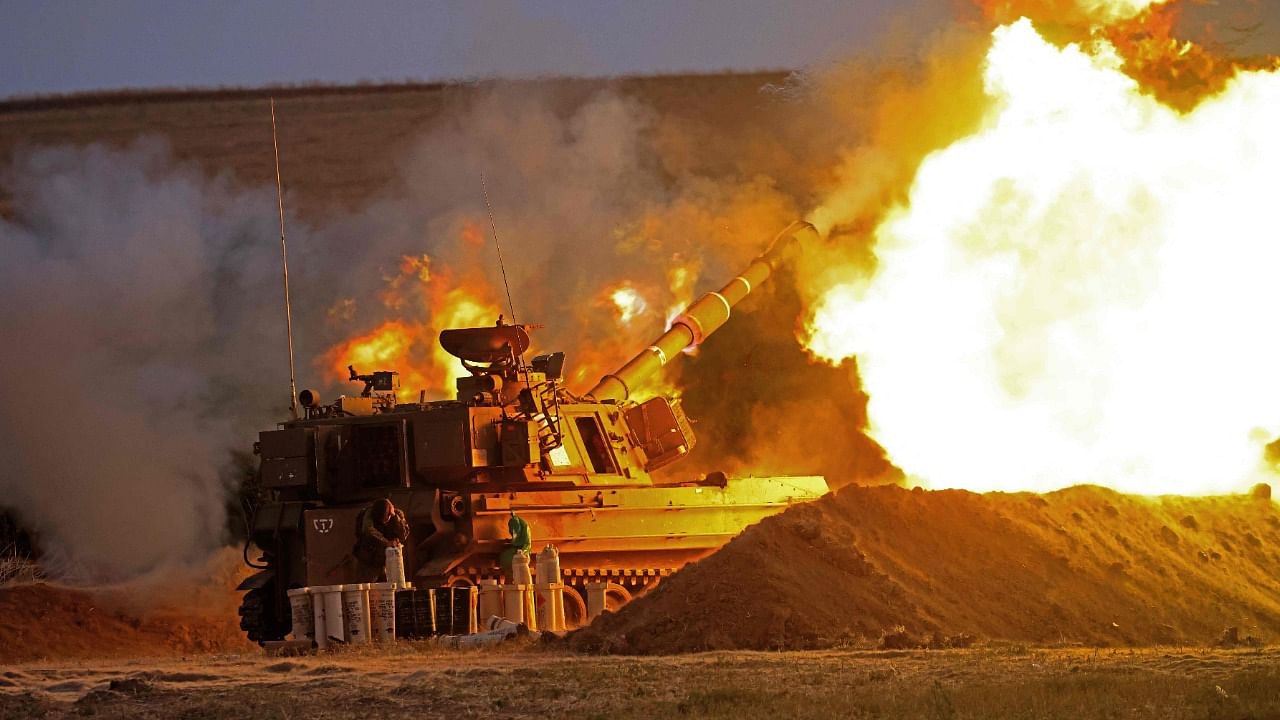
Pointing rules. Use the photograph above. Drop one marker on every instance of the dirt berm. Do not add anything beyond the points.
(173, 613)
(1084, 564)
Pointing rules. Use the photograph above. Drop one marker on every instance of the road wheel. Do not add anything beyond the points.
(615, 596)
(258, 616)
(575, 608)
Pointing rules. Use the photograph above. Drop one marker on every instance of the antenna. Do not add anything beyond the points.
(511, 306)
(489, 208)
(284, 259)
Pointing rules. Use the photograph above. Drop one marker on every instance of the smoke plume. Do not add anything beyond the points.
(127, 318)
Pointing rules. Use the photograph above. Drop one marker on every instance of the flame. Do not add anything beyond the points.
(417, 267)
(680, 279)
(427, 297)
(472, 234)
(392, 345)
(1093, 12)
(412, 269)
(628, 319)
(624, 310)
(632, 322)
(629, 302)
(457, 307)
(1177, 71)
(1116, 9)
(411, 348)
(1081, 291)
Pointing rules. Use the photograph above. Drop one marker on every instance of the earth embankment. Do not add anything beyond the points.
(176, 612)
(1082, 565)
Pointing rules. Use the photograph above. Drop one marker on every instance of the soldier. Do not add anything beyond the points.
(520, 540)
(378, 527)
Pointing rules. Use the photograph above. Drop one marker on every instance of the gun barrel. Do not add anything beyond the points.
(700, 319)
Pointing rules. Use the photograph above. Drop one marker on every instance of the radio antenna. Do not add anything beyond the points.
(284, 259)
(501, 266)
(511, 306)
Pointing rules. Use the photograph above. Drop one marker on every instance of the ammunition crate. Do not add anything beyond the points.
(437, 611)
(415, 614)
(456, 610)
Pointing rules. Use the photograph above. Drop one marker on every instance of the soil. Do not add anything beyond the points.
(1082, 565)
(172, 614)
(416, 680)
(47, 621)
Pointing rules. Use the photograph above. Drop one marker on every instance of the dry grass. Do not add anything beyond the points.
(416, 680)
(17, 569)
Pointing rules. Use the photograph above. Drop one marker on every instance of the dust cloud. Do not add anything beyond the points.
(124, 288)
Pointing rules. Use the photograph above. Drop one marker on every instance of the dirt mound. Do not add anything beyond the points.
(1084, 564)
(171, 613)
(44, 621)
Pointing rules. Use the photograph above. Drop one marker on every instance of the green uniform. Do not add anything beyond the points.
(521, 539)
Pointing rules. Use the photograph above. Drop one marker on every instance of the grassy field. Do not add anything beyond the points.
(996, 681)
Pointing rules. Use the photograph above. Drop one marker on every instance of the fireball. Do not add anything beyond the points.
(424, 296)
(1080, 292)
(629, 303)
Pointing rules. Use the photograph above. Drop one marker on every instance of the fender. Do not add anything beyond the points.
(257, 580)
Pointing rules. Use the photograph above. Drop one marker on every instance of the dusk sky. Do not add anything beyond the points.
(58, 46)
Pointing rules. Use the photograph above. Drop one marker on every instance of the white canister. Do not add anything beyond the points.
(596, 599)
(355, 612)
(395, 565)
(548, 564)
(331, 598)
(382, 612)
(520, 573)
(513, 603)
(319, 630)
(303, 615)
(490, 599)
(549, 598)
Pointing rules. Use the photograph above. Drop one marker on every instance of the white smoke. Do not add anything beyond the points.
(123, 291)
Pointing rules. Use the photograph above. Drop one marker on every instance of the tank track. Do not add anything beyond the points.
(635, 579)
(622, 585)
(258, 618)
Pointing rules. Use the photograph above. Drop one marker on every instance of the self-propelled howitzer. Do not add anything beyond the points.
(576, 468)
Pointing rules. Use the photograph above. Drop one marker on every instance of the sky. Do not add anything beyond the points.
(60, 46)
